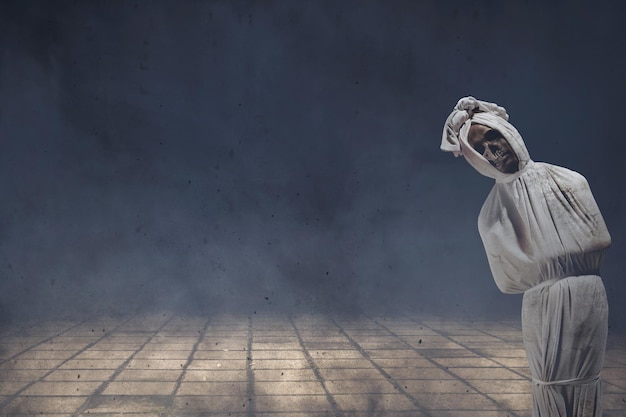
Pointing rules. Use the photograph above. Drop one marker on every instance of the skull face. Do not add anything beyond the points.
(494, 148)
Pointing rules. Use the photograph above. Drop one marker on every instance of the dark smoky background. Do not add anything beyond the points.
(284, 156)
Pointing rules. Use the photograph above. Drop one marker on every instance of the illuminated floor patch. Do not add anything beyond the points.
(266, 365)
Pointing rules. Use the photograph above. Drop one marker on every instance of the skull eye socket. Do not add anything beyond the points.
(492, 135)
(491, 140)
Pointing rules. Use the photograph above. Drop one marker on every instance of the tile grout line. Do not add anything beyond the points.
(119, 369)
(492, 359)
(10, 398)
(473, 326)
(474, 351)
(3, 361)
(443, 368)
(250, 371)
(24, 327)
(193, 352)
(329, 397)
(388, 377)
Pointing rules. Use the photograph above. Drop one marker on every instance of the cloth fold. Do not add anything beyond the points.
(564, 328)
(465, 108)
(456, 130)
(544, 236)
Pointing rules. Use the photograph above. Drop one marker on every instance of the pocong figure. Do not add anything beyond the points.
(544, 237)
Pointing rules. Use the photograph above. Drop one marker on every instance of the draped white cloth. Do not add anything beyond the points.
(544, 236)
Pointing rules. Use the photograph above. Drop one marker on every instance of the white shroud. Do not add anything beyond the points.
(545, 237)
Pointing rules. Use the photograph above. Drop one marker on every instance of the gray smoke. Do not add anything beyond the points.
(205, 156)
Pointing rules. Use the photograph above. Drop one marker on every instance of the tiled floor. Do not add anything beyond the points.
(265, 365)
